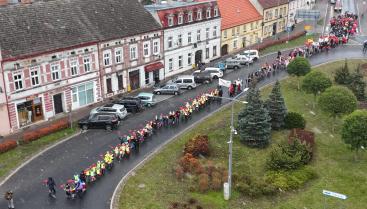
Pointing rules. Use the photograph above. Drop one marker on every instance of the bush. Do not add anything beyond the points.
(52, 128)
(289, 156)
(7, 145)
(254, 187)
(189, 163)
(216, 183)
(179, 172)
(294, 120)
(305, 137)
(203, 182)
(199, 145)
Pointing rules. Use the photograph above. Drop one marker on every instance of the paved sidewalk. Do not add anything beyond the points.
(83, 112)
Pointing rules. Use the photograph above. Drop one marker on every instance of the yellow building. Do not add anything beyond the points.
(241, 25)
(275, 14)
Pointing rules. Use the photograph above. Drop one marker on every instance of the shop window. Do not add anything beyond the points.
(146, 77)
(30, 112)
(83, 94)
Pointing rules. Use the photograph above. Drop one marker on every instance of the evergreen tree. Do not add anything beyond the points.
(276, 107)
(254, 121)
(357, 84)
(342, 75)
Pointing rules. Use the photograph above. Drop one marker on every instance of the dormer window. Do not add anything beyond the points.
(180, 19)
(189, 17)
(208, 13)
(216, 12)
(170, 21)
(198, 15)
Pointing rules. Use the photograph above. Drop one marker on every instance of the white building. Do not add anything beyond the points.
(191, 33)
(293, 6)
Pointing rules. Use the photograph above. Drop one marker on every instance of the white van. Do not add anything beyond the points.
(214, 72)
(185, 82)
(252, 53)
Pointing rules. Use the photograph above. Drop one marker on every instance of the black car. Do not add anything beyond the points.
(99, 120)
(132, 104)
(202, 77)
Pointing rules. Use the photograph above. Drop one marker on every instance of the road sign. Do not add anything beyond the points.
(307, 14)
(334, 194)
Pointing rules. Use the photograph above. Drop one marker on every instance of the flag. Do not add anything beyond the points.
(225, 83)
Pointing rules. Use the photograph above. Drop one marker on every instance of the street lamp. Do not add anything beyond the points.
(230, 143)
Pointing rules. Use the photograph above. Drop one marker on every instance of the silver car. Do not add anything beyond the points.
(118, 110)
(148, 99)
(167, 89)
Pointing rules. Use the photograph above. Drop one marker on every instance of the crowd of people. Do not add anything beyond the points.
(131, 142)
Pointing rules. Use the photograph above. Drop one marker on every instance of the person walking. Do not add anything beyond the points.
(9, 198)
(51, 187)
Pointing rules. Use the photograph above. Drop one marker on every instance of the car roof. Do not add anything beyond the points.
(184, 76)
(145, 94)
(212, 68)
(112, 105)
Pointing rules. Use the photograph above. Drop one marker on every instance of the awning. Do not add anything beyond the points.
(153, 67)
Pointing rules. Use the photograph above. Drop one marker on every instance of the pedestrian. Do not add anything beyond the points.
(9, 198)
(51, 187)
(231, 90)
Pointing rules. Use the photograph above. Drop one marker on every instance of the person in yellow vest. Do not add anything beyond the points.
(98, 169)
(103, 167)
(93, 173)
(116, 152)
(121, 151)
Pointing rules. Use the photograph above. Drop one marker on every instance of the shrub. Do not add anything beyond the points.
(289, 156)
(216, 183)
(199, 145)
(53, 127)
(254, 187)
(189, 163)
(294, 120)
(31, 136)
(305, 137)
(210, 167)
(179, 172)
(203, 182)
(7, 145)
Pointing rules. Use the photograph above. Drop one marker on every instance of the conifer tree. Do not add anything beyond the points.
(254, 121)
(276, 107)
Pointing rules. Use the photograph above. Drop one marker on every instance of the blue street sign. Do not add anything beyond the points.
(334, 194)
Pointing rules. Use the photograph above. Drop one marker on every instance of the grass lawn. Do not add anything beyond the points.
(333, 162)
(13, 158)
(291, 44)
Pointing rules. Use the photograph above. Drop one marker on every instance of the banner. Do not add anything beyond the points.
(225, 83)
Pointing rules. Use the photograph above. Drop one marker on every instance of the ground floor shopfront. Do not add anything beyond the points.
(133, 78)
(44, 106)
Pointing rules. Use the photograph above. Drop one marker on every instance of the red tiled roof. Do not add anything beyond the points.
(237, 12)
(266, 4)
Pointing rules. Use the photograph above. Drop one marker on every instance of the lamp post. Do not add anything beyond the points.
(230, 143)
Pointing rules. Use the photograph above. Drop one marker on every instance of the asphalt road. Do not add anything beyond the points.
(70, 157)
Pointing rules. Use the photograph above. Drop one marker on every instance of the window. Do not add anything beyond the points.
(83, 94)
(208, 13)
(170, 20)
(180, 61)
(170, 64)
(156, 47)
(233, 31)
(214, 51)
(198, 15)
(55, 72)
(189, 38)
(207, 33)
(216, 12)
(238, 30)
(235, 44)
(106, 58)
(74, 67)
(244, 28)
(215, 31)
(133, 52)
(118, 56)
(146, 77)
(189, 62)
(180, 19)
(120, 82)
(276, 13)
(170, 42)
(225, 33)
(252, 26)
(198, 35)
(207, 53)
(189, 17)
(109, 85)
(86, 64)
(146, 50)
(35, 77)
(280, 12)
(18, 81)
(179, 41)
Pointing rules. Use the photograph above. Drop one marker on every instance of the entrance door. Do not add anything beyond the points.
(274, 28)
(198, 56)
(134, 80)
(58, 103)
(224, 50)
(156, 76)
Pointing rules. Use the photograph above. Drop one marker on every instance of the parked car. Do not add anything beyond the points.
(214, 72)
(252, 53)
(243, 59)
(202, 77)
(99, 120)
(132, 104)
(116, 109)
(147, 99)
(168, 89)
(185, 82)
(233, 63)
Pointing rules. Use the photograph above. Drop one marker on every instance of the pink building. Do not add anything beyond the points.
(59, 56)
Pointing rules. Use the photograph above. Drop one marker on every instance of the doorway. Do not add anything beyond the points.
(224, 50)
(58, 103)
(134, 79)
(198, 56)
(274, 28)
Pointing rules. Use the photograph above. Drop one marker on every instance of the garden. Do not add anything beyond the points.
(287, 168)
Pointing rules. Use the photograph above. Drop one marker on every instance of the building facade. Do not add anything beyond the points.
(294, 5)
(241, 25)
(191, 33)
